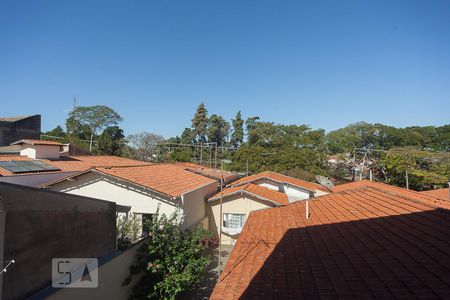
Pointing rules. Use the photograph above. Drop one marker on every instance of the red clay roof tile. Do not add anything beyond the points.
(164, 178)
(439, 193)
(256, 190)
(75, 163)
(364, 241)
(281, 178)
(37, 142)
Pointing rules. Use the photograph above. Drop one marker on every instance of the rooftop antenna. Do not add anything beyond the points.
(326, 182)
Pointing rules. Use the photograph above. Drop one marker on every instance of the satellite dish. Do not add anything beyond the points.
(324, 181)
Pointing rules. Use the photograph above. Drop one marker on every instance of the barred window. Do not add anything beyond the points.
(233, 220)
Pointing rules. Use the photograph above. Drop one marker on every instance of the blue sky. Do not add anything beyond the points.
(322, 63)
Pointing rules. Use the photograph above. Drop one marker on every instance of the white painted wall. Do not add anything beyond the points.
(194, 205)
(40, 151)
(141, 200)
(236, 204)
(292, 192)
(105, 188)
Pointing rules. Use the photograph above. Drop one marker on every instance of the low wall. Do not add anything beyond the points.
(40, 225)
(110, 278)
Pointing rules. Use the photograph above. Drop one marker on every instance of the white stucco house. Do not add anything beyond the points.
(295, 189)
(237, 203)
(260, 191)
(37, 149)
(145, 189)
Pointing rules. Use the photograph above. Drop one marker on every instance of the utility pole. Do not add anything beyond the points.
(407, 179)
(221, 222)
(201, 153)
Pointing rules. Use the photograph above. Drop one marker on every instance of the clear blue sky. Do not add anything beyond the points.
(322, 63)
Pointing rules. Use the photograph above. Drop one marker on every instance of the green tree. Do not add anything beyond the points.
(170, 261)
(237, 137)
(218, 130)
(111, 141)
(94, 117)
(250, 125)
(200, 122)
(426, 170)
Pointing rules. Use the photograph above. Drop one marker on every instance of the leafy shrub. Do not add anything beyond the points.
(170, 261)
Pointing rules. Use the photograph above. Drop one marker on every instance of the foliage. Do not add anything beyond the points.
(237, 137)
(128, 231)
(281, 148)
(200, 122)
(426, 170)
(170, 261)
(218, 130)
(144, 146)
(366, 135)
(93, 117)
(110, 141)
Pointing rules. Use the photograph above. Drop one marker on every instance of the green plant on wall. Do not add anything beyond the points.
(128, 231)
(170, 261)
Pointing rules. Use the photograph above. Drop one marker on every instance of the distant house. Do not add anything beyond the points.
(365, 240)
(237, 203)
(16, 128)
(294, 188)
(145, 189)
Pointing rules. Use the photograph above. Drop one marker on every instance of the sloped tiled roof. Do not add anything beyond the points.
(413, 195)
(255, 190)
(164, 178)
(75, 163)
(209, 172)
(4, 172)
(438, 193)
(281, 178)
(363, 242)
(37, 142)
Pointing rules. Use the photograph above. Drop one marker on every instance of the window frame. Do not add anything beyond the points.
(226, 220)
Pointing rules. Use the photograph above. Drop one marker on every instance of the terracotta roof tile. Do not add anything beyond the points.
(37, 142)
(164, 178)
(363, 242)
(255, 190)
(411, 194)
(281, 178)
(208, 172)
(439, 193)
(76, 163)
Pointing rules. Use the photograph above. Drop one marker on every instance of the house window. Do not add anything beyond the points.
(233, 220)
(147, 221)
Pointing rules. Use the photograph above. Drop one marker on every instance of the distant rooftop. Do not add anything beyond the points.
(37, 142)
(13, 119)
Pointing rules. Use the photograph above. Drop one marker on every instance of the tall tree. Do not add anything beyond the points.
(199, 123)
(218, 130)
(111, 140)
(237, 137)
(145, 145)
(188, 136)
(95, 117)
(250, 125)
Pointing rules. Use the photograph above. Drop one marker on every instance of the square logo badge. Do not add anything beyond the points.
(75, 272)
